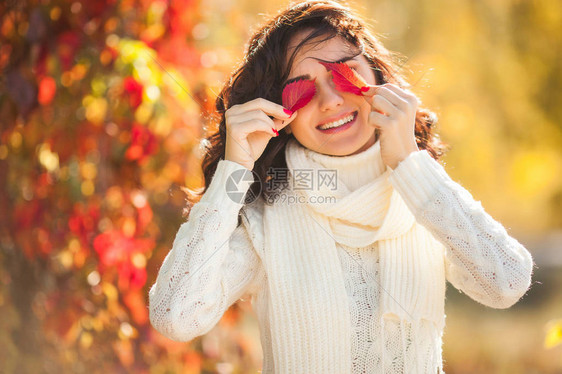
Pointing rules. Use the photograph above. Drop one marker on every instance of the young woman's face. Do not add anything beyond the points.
(330, 105)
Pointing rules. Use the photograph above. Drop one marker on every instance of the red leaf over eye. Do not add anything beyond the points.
(345, 78)
(298, 93)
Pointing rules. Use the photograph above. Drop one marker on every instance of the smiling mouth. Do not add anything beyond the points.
(335, 124)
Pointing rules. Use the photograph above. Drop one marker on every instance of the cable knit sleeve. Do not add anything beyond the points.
(211, 264)
(481, 259)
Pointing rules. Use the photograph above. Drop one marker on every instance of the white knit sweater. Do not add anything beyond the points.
(213, 263)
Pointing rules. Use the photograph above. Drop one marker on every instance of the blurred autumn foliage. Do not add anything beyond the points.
(99, 129)
(102, 108)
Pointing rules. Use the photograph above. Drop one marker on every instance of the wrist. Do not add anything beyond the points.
(249, 167)
(404, 156)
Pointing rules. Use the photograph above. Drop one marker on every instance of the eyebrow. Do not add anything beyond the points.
(307, 76)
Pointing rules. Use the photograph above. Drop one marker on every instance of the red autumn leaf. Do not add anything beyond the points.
(47, 90)
(134, 300)
(143, 144)
(134, 89)
(40, 69)
(298, 93)
(67, 46)
(115, 248)
(27, 214)
(43, 240)
(117, 251)
(131, 277)
(144, 217)
(345, 78)
(83, 221)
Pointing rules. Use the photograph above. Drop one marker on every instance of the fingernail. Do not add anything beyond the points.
(275, 131)
(288, 112)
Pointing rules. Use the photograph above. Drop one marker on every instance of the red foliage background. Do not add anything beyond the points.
(97, 132)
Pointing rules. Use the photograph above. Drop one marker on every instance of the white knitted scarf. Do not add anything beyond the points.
(309, 313)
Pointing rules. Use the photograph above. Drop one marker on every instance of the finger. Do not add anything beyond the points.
(252, 115)
(280, 124)
(390, 94)
(404, 94)
(398, 90)
(378, 120)
(372, 90)
(269, 107)
(381, 104)
(247, 127)
(369, 100)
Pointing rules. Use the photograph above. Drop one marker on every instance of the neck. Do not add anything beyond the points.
(354, 170)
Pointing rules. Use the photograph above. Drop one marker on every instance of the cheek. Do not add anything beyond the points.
(299, 126)
(304, 118)
(368, 74)
(364, 112)
(365, 108)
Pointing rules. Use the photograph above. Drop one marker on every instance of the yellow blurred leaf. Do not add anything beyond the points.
(96, 109)
(553, 334)
(534, 172)
(86, 340)
(110, 291)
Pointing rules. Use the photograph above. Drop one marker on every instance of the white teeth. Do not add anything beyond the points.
(337, 123)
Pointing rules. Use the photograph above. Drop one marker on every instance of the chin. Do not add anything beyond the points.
(340, 149)
(352, 147)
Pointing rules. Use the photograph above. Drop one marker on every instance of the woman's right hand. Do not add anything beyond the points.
(249, 129)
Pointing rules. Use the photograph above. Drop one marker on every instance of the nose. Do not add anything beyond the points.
(329, 98)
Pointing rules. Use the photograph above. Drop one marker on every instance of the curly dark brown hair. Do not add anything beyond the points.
(264, 69)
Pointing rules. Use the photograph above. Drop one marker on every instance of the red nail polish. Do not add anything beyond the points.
(275, 131)
(288, 111)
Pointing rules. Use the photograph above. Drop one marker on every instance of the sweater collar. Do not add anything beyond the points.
(353, 170)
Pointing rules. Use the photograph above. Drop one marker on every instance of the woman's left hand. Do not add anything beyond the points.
(394, 114)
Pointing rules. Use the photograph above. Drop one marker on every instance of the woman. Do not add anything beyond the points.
(350, 228)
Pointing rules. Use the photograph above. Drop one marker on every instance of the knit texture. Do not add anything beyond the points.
(213, 263)
(302, 231)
